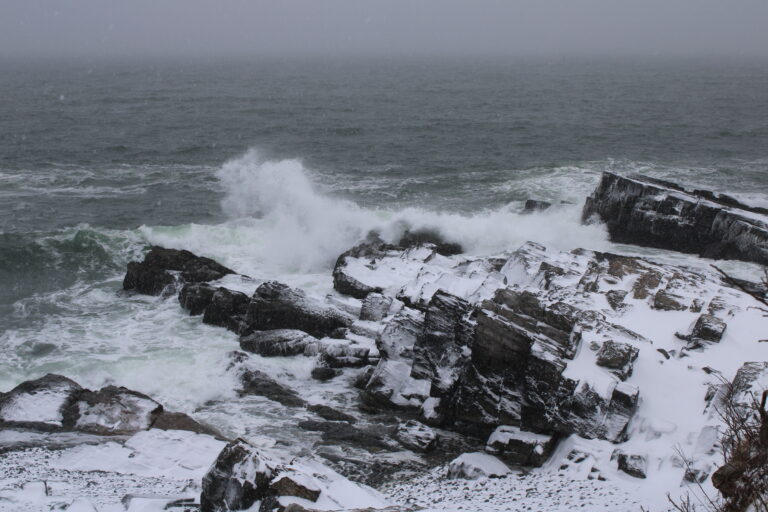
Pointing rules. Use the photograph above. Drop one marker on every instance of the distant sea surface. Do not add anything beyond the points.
(275, 167)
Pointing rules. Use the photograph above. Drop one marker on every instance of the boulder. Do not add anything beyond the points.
(633, 465)
(292, 483)
(649, 212)
(331, 414)
(227, 309)
(416, 436)
(322, 372)
(617, 357)
(41, 403)
(519, 447)
(708, 328)
(342, 432)
(424, 237)
(115, 410)
(279, 342)
(161, 267)
(375, 307)
(533, 205)
(195, 297)
(471, 466)
(344, 281)
(255, 382)
(277, 306)
(667, 301)
(240, 476)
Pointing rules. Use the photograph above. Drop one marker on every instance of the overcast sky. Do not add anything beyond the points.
(220, 28)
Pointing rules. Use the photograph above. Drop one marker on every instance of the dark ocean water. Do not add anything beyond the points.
(99, 159)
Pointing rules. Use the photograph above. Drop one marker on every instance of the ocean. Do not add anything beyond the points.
(275, 167)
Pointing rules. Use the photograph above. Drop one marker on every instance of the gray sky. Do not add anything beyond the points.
(114, 28)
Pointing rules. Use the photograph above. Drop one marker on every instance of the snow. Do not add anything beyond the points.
(476, 465)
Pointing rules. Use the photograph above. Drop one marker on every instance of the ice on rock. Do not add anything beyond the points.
(41, 401)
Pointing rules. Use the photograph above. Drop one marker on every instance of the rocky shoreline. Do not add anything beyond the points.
(573, 362)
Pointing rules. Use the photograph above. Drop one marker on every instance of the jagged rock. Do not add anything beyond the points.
(330, 414)
(375, 307)
(399, 336)
(322, 372)
(533, 205)
(708, 328)
(470, 466)
(429, 237)
(41, 403)
(279, 342)
(292, 483)
(179, 421)
(519, 447)
(615, 298)
(239, 477)
(343, 280)
(361, 381)
(444, 347)
(416, 436)
(259, 383)
(227, 309)
(633, 465)
(654, 213)
(195, 297)
(277, 306)
(115, 410)
(346, 354)
(392, 386)
(154, 273)
(617, 357)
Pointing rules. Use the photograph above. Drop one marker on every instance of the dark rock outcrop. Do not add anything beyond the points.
(239, 477)
(416, 436)
(278, 306)
(195, 297)
(430, 237)
(534, 205)
(256, 382)
(633, 465)
(654, 213)
(343, 282)
(375, 307)
(161, 267)
(518, 447)
(227, 309)
(331, 414)
(617, 357)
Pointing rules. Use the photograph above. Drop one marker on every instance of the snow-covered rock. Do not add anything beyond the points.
(416, 436)
(477, 465)
(279, 342)
(42, 403)
(519, 447)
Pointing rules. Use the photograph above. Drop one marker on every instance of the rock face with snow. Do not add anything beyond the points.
(162, 267)
(416, 436)
(470, 466)
(279, 342)
(645, 211)
(519, 447)
(56, 403)
(277, 306)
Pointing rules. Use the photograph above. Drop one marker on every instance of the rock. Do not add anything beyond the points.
(41, 403)
(518, 447)
(375, 307)
(654, 213)
(708, 328)
(398, 338)
(292, 483)
(115, 410)
(444, 347)
(279, 342)
(195, 297)
(633, 465)
(533, 205)
(416, 436)
(615, 298)
(278, 306)
(422, 237)
(666, 301)
(323, 373)
(617, 357)
(154, 273)
(391, 385)
(240, 476)
(179, 421)
(346, 354)
(227, 309)
(343, 432)
(344, 281)
(471, 466)
(256, 382)
(331, 414)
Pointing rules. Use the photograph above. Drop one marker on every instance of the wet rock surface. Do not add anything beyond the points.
(162, 267)
(650, 212)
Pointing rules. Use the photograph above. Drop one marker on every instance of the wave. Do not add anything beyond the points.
(280, 220)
